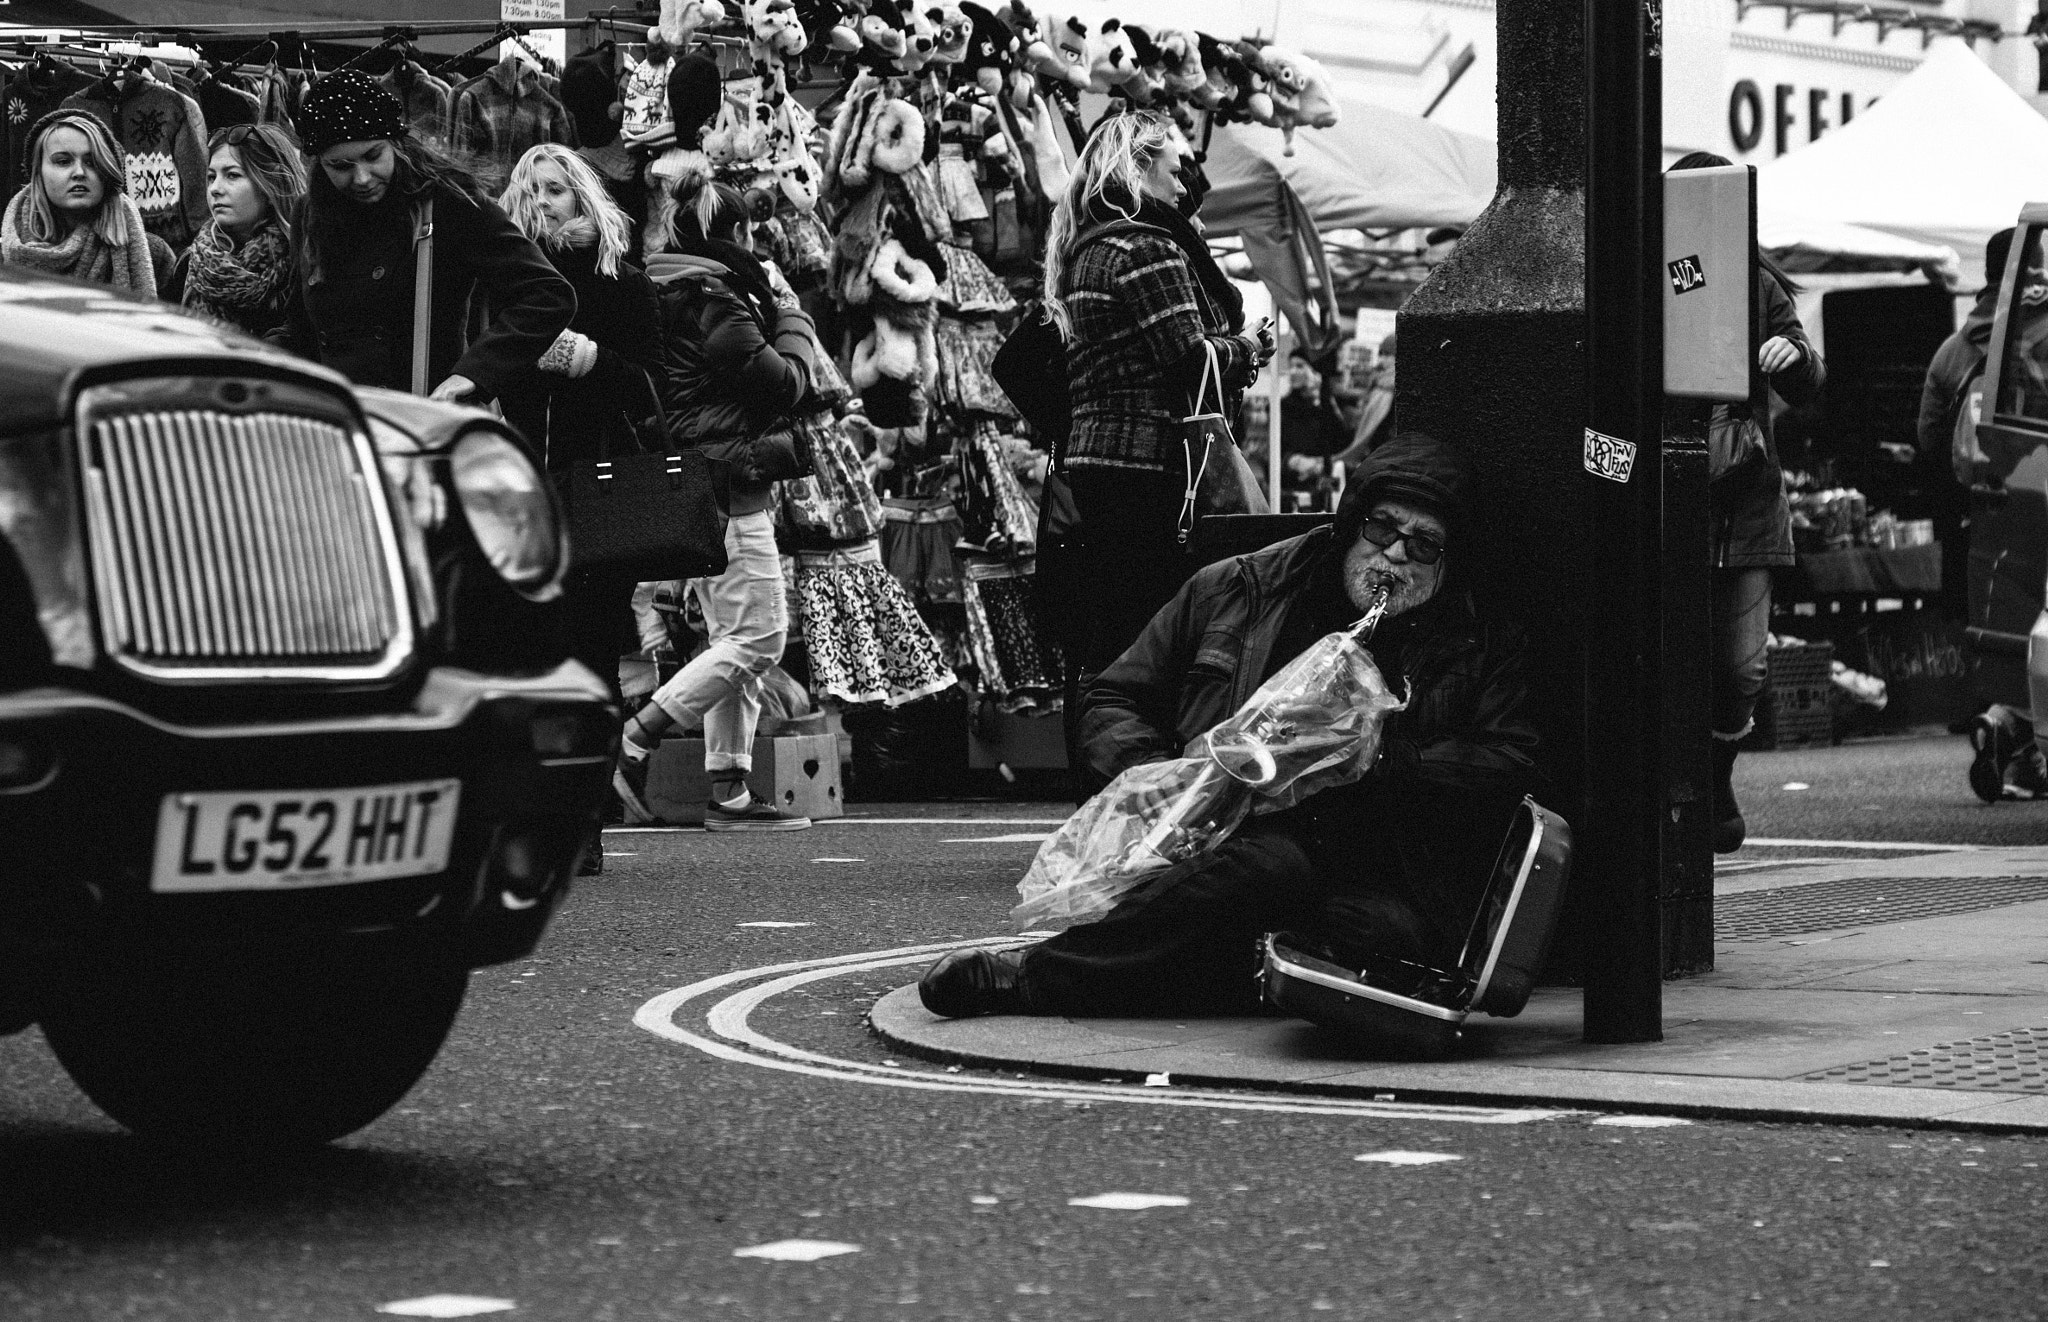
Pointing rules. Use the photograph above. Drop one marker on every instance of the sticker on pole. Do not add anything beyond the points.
(1609, 456)
(1687, 274)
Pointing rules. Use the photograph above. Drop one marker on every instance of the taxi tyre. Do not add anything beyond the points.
(278, 1054)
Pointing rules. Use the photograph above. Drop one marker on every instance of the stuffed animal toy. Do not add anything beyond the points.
(1300, 90)
(919, 36)
(1112, 60)
(882, 42)
(682, 19)
(1151, 67)
(991, 48)
(774, 32)
(1257, 98)
(828, 25)
(1182, 56)
(954, 31)
(899, 276)
(1071, 53)
(1220, 85)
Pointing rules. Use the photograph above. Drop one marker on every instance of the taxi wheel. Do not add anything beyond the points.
(280, 1056)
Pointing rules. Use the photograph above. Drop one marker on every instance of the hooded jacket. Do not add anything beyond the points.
(1464, 749)
(1955, 362)
(727, 375)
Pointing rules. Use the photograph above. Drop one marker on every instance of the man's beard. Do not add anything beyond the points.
(1362, 579)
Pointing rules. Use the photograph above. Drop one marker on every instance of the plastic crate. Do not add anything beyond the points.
(1797, 704)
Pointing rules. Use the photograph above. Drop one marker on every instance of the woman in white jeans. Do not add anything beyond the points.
(735, 368)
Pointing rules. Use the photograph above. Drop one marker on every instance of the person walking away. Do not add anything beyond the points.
(73, 217)
(239, 269)
(735, 369)
(2005, 759)
(1752, 524)
(371, 184)
(1139, 301)
(1394, 863)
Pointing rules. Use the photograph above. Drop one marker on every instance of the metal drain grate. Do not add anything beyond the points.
(1827, 906)
(2003, 1062)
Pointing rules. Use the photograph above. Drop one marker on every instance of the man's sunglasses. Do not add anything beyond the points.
(1423, 548)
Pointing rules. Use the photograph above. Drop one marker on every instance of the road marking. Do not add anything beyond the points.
(1755, 865)
(1129, 1202)
(734, 1039)
(797, 1250)
(1407, 1158)
(1035, 836)
(862, 821)
(1903, 846)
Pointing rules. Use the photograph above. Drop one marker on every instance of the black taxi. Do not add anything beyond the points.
(289, 742)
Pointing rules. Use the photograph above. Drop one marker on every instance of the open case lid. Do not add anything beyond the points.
(1510, 934)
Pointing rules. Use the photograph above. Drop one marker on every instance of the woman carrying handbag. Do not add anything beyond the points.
(1140, 306)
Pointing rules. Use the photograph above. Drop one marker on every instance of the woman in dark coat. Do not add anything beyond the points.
(1752, 522)
(595, 391)
(1139, 301)
(371, 181)
(594, 394)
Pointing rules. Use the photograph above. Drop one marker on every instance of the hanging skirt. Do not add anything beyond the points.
(861, 632)
(965, 383)
(958, 188)
(970, 286)
(1021, 668)
(917, 544)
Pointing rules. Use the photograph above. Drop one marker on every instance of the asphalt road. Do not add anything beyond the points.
(564, 1159)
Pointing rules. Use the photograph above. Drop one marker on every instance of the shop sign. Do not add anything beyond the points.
(553, 43)
(1819, 107)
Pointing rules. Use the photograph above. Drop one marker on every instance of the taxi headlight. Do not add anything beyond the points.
(510, 510)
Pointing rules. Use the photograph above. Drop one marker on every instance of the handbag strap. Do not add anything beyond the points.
(1210, 372)
(422, 291)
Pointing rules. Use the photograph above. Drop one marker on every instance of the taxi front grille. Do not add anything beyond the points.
(238, 543)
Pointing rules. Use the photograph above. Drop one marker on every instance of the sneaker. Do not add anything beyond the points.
(2026, 776)
(1992, 741)
(754, 815)
(629, 782)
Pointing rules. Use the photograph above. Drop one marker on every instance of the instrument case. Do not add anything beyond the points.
(1495, 972)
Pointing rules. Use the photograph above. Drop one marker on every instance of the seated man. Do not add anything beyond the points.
(1395, 861)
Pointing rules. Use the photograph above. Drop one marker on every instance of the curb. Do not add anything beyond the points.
(900, 1021)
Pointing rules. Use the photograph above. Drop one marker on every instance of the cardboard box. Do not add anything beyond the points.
(797, 773)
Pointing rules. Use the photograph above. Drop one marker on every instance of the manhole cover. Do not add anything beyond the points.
(2002, 1062)
(1827, 906)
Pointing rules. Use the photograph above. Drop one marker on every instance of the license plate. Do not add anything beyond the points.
(288, 839)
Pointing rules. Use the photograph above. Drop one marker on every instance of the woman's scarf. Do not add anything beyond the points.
(1214, 282)
(230, 281)
(82, 254)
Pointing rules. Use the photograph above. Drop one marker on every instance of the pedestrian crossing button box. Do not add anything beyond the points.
(1408, 1010)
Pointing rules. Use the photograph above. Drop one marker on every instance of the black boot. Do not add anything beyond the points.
(1729, 828)
(971, 982)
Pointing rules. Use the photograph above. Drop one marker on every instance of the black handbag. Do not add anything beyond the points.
(649, 517)
(1031, 367)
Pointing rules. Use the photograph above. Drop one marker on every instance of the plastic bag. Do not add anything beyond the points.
(1313, 725)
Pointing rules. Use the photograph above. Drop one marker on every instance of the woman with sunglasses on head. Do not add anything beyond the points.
(371, 186)
(239, 268)
(74, 216)
(1141, 305)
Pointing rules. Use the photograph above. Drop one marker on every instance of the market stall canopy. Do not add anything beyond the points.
(55, 14)
(1804, 244)
(1378, 169)
(1947, 158)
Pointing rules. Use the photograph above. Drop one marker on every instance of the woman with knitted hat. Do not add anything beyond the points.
(372, 187)
(74, 217)
(239, 270)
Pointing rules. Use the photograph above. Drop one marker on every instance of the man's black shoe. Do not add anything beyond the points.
(971, 982)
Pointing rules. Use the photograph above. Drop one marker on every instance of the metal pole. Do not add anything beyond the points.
(1276, 383)
(1620, 856)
